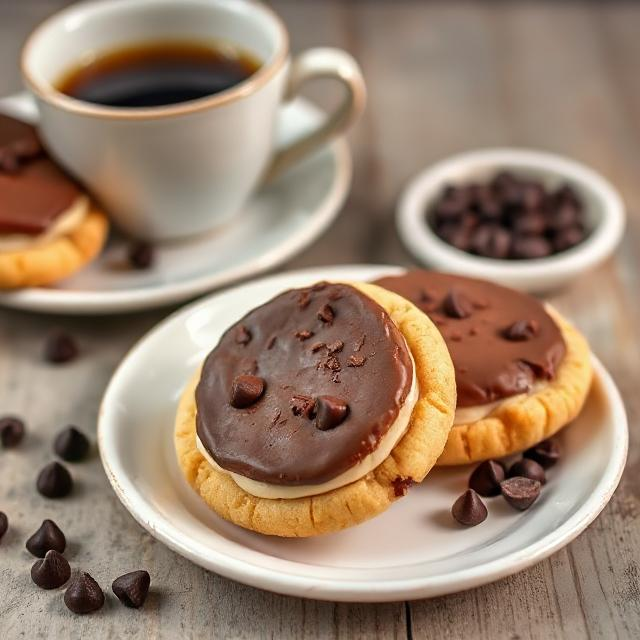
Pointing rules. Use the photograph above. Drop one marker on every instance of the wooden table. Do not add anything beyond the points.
(443, 77)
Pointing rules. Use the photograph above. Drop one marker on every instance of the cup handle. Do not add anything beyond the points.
(324, 62)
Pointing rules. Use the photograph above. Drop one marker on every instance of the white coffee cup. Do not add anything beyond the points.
(183, 169)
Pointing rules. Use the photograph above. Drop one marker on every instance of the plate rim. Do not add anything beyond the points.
(61, 301)
(350, 590)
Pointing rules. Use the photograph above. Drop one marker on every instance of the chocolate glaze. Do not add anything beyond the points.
(488, 365)
(34, 192)
(316, 331)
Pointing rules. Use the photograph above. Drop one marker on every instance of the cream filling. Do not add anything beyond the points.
(64, 224)
(367, 464)
(467, 415)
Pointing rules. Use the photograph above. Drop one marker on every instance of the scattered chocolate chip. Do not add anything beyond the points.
(71, 444)
(60, 348)
(84, 594)
(401, 486)
(521, 330)
(356, 361)
(246, 390)
(457, 305)
(486, 478)
(335, 347)
(303, 335)
(141, 255)
(330, 412)
(545, 453)
(302, 406)
(11, 431)
(326, 314)
(4, 524)
(316, 346)
(527, 468)
(52, 571)
(54, 481)
(520, 492)
(132, 588)
(48, 536)
(469, 509)
(243, 335)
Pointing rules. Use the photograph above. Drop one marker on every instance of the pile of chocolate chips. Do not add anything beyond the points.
(509, 218)
(52, 570)
(519, 484)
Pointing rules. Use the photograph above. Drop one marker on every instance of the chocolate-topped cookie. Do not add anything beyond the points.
(501, 341)
(281, 383)
(317, 410)
(48, 229)
(522, 371)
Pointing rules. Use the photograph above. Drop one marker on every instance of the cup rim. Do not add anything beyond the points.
(47, 92)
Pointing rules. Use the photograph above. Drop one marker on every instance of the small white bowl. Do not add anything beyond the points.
(604, 213)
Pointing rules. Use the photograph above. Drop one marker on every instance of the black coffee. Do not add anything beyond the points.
(156, 74)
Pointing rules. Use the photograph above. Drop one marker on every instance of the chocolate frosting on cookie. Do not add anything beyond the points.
(303, 387)
(34, 192)
(501, 341)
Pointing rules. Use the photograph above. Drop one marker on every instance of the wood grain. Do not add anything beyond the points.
(443, 77)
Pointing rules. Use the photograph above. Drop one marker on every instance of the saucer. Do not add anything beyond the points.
(281, 220)
(413, 550)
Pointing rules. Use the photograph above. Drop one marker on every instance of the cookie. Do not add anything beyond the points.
(522, 371)
(48, 228)
(338, 338)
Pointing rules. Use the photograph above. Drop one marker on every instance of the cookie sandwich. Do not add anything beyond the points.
(317, 410)
(522, 371)
(49, 229)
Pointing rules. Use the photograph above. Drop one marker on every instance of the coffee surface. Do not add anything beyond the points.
(304, 387)
(158, 74)
(501, 341)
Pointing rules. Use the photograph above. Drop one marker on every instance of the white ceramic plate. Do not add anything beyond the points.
(280, 221)
(413, 550)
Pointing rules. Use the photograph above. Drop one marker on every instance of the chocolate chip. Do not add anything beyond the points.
(457, 305)
(532, 223)
(335, 347)
(141, 255)
(491, 241)
(330, 412)
(132, 588)
(4, 523)
(486, 478)
(302, 406)
(332, 363)
(401, 486)
(567, 238)
(54, 481)
(530, 247)
(84, 594)
(326, 314)
(356, 361)
(60, 348)
(565, 216)
(48, 536)
(527, 468)
(243, 335)
(468, 509)
(521, 330)
(304, 299)
(358, 345)
(316, 346)
(11, 431)
(71, 444)
(52, 571)
(545, 453)
(246, 390)
(303, 335)
(520, 492)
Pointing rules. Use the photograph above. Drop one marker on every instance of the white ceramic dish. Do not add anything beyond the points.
(413, 550)
(604, 210)
(279, 222)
